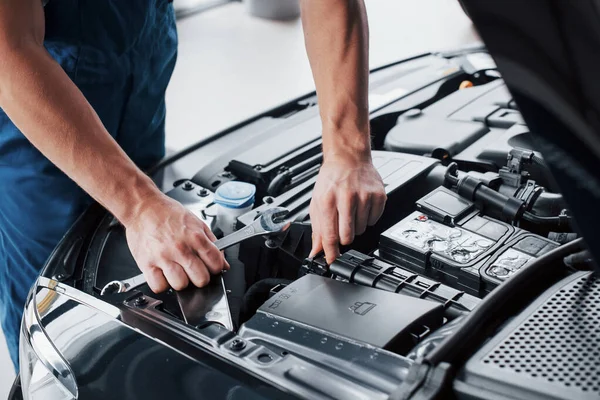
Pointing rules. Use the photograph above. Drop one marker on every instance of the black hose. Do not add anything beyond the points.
(491, 308)
(305, 176)
(561, 220)
(279, 182)
(284, 178)
(306, 164)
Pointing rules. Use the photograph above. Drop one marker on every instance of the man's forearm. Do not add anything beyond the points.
(336, 35)
(53, 114)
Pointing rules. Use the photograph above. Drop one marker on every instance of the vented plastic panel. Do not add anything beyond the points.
(559, 342)
(551, 350)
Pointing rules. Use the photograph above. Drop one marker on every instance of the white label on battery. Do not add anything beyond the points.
(508, 264)
(456, 244)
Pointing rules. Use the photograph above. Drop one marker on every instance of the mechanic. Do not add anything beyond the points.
(82, 114)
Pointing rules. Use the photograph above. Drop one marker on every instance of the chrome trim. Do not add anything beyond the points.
(37, 337)
(42, 346)
(79, 296)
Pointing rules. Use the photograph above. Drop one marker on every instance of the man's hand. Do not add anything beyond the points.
(349, 193)
(172, 247)
(348, 196)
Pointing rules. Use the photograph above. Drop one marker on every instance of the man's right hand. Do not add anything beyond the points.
(172, 247)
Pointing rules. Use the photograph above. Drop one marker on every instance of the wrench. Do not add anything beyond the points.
(270, 222)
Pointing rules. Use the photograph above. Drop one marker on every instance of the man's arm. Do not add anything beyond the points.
(349, 193)
(170, 245)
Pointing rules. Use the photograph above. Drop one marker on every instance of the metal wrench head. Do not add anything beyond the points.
(113, 287)
(123, 286)
(274, 220)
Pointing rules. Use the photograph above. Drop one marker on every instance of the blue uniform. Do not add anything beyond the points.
(120, 53)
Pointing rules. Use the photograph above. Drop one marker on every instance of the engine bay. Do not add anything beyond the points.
(470, 205)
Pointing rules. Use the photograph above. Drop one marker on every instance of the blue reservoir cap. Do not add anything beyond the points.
(235, 194)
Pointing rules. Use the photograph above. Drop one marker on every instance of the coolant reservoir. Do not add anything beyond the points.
(233, 199)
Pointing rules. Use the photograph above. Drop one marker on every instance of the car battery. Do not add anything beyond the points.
(449, 240)
(516, 255)
(364, 270)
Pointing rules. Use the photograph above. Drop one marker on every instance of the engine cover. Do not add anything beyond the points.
(387, 320)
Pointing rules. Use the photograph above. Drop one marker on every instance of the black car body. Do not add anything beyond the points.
(460, 290)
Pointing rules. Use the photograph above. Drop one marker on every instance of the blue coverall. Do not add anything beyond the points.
(120, 53)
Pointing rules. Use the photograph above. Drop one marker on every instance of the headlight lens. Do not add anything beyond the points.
(37, 381)
(45, 374)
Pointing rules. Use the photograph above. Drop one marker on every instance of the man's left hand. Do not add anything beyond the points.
(348, 196)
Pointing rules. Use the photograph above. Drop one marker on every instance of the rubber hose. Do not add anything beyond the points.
(535, 219)
(285, 177)
(278, 183)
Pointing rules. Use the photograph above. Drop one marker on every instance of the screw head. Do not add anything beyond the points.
(258, 167)
(203, 192)
(188, 186)
(271, 244)
(140, 301)
(237, 344)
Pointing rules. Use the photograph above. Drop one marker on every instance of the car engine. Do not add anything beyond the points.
(470, 205)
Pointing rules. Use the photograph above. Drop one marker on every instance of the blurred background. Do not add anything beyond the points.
(233, 65)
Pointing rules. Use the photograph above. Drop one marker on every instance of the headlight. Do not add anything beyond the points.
(45, 375)
(36, 380)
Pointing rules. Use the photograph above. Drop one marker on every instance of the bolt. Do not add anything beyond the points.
(258, 167)
(237, 345)
(271, 244)
(203, 192)
(140, 301)
(188, 186)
